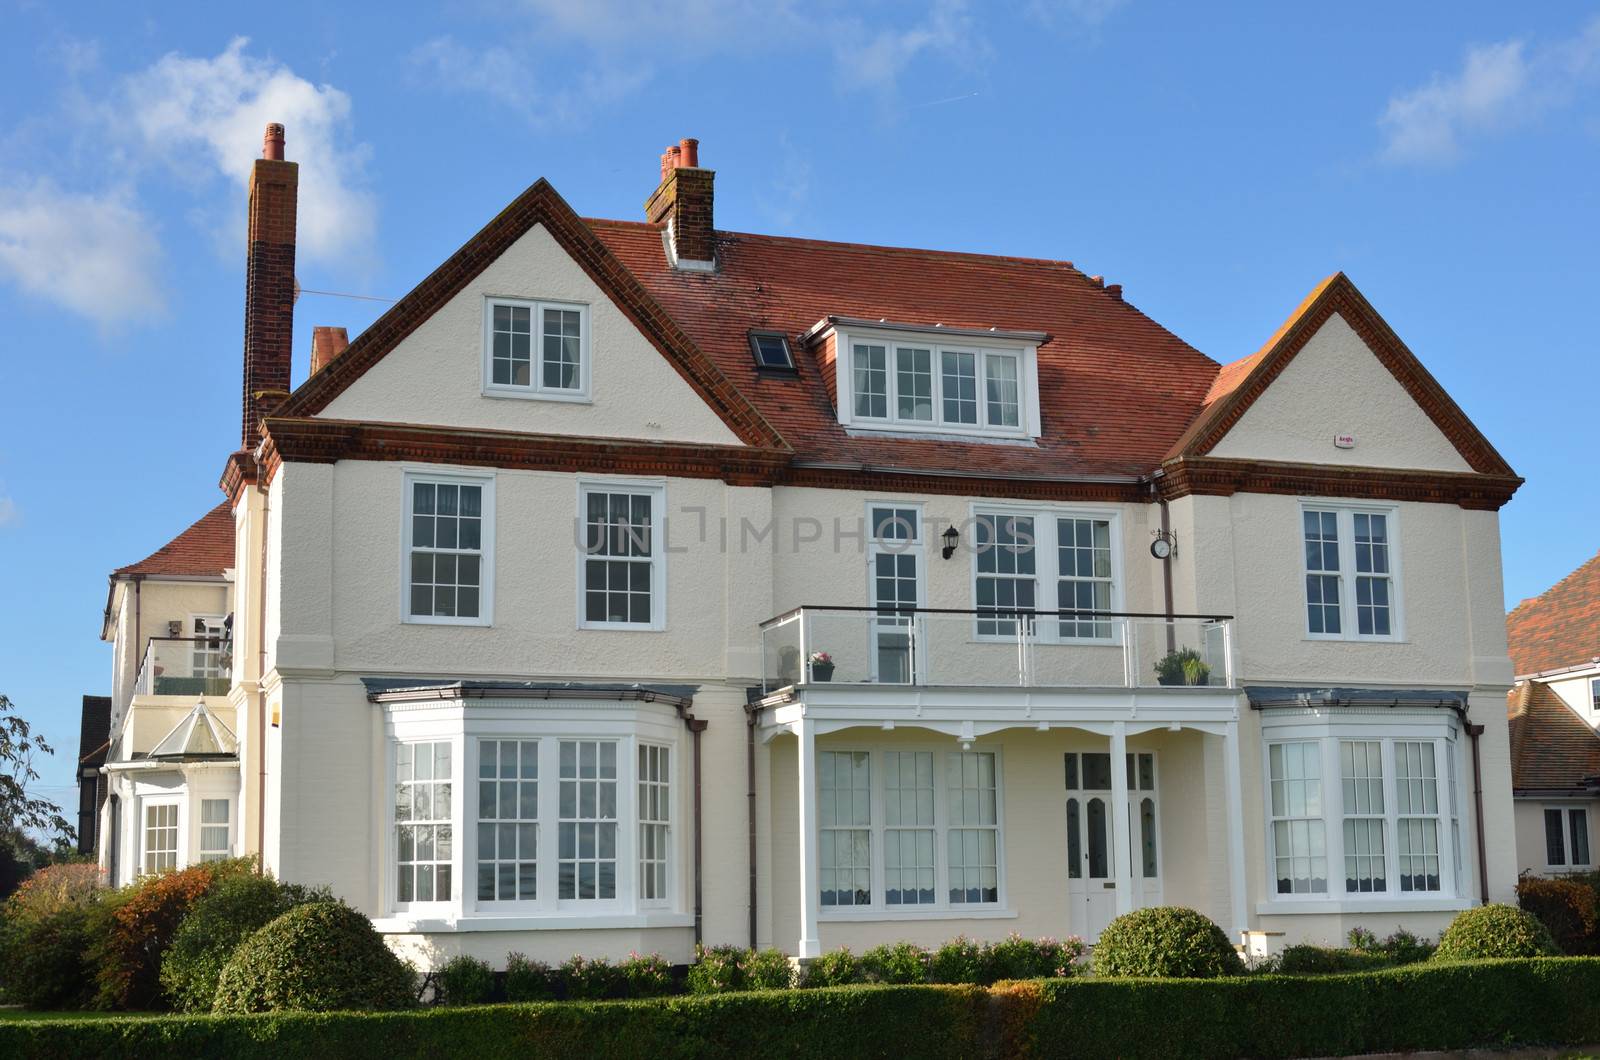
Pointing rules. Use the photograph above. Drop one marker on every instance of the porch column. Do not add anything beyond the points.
(810, 892)
(1234, 798)
(1122, 864)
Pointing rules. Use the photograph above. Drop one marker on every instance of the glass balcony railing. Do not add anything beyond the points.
(185, 666)
(936, 646)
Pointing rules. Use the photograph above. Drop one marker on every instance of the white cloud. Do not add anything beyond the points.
(9, 516)
(1497, 87)
(215, 109)
(508, 79)
(875, 61)
(95, 254)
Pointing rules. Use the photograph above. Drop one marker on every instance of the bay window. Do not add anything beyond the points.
(423, 822)
(1390, 822)
(908, 831)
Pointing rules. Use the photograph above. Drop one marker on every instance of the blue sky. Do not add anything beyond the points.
(1216, 164)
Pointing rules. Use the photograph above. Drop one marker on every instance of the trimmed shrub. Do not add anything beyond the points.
(723, 969)
(1490, 931)
(131, 936)
(1015, 957)
(1323, 960)
(961, 960)
(1402, 947)
(648, 976)
(233, 909)
(316, 957)
(44, 938)
(528, 980)
(1165, 942)
(1570, 909)
(583, 979)
(836, 968)
(465, 981)
(902, 962)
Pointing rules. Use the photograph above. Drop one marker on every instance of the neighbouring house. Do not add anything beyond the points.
(1554, 711)
(634, 583)
(93, 741)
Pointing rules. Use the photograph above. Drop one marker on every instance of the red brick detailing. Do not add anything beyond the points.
(1239, 384)
(326, 344)
(1218, 477)
(269, 282)
(684, 198)
(541, 205)
(238, 474)
(1560, 627)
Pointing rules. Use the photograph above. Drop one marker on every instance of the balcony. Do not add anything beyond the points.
(185, 666)
(811, 645)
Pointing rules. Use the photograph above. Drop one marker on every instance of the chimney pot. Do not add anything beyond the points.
(689, 150)
(1114, 290)
(683, 203)
(326, 344)
(272, 143)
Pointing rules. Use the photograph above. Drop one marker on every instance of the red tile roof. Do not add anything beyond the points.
(1552, 748)
(206, 548)
(1560, 627)
(1141, 383)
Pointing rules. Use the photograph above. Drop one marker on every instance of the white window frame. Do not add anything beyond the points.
(1566, 810)
(917, 548)
(1386, 726)
(626, 724)
(456, 477)
(657, 490)
(877, 908)
(1027, 358)
(1047, 569)
(202, 853)
(212, 622)
(668, 824)
(1345, 512)
(180, 836)
(392, 863)
(536, 390)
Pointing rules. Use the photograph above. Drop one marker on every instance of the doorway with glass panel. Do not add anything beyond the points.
(895, 576)
(1091, 838)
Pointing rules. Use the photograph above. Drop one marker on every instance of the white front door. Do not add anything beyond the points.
(1091, 845)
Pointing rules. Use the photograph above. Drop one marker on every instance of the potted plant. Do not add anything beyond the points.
(1183, 667)
(821, 664)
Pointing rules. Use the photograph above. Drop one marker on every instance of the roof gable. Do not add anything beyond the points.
(539, 205)
(1560, 627)
(1238, 386)
(1552, 748)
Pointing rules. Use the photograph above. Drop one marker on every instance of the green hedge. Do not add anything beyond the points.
(1553, 1001)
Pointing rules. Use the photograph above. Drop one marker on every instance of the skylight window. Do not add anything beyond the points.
(771, 350)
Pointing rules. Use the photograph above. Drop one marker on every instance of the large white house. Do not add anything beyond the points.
(633, 583)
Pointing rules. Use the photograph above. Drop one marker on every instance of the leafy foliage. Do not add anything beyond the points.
(237, 905)
(837, 967)
(134, 927)
(19, 746)
(1570, 908)
(528, 980)
(722, 969)
(900, 962)
(317, 957)
(465, 980)
(1490, 931)
(44, 937)
(591, 979)
(647, 975)
(1165, 942)
(1015, 957)
(961, 960)
(1323, 960)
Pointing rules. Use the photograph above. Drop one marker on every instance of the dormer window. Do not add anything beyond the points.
(940, 381)
(536, 349)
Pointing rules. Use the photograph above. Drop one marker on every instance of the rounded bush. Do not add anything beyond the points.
(318, 957)
(961, 960)
(1165, 942)
(1492, 931)
(1569, 908)
(235, 908)
(465, 981)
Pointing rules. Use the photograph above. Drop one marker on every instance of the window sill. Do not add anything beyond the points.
(410, 925)
(1374, 905)
(853, 916)
(537, 395)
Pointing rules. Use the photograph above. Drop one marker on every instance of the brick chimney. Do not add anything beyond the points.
(683, 202)
(269, 288)
(326, 344)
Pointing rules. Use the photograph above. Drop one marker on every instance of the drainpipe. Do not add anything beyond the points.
(1475, 731)
(750, 809)
(1166, 570)
(696, 727)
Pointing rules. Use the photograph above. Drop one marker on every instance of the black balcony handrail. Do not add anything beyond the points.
(990, 612)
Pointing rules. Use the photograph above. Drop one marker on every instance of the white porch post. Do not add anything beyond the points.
(1120, 832)
(1235, 817)
(810, 892)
